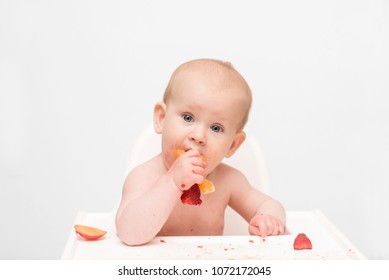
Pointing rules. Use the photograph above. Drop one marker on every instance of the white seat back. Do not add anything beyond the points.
(146, 146)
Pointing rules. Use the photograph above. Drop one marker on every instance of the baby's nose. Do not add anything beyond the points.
(198, 137)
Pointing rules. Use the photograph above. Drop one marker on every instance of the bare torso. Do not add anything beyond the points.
(151, 205)
(204, 219)
(183, 220)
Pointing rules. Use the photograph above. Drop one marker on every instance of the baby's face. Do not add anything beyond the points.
(202, 113)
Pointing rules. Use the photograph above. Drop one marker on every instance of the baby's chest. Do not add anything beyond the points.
(204, 219)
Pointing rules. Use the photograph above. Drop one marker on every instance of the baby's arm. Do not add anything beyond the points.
(266, 216)
(150, 195)
(269, 219)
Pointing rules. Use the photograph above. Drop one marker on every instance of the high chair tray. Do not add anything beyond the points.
(327, 242)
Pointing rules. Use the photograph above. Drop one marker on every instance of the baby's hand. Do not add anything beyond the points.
(188, 169)
(264, 225)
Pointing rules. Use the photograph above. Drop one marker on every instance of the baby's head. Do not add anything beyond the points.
(205, 107)
(217, 74)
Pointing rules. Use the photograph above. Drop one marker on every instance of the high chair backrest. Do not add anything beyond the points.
(249, 159)
(146, 146)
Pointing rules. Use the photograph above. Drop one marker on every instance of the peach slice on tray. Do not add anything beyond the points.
(89, 233)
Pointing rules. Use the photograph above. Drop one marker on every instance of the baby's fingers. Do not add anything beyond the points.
(199, 170)
(279, 229)
(264, 225)
(261, 229)
(193, 153)
(197, 161)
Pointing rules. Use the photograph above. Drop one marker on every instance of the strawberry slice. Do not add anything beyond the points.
(302, 242)
(192, 196)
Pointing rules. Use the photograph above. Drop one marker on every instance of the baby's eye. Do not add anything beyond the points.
(216, 128)
(187, 117)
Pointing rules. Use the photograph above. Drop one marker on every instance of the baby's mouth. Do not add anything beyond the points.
(186, 149)
(179, 151)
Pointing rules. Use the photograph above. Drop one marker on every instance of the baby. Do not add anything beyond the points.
(204, 110)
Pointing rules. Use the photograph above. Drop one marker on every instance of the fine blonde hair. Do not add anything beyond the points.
(225, 65)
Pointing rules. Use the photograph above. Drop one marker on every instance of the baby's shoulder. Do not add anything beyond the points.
(146, 171)
(229, 173)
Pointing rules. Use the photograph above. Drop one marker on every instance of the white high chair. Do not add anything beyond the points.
(248, 158)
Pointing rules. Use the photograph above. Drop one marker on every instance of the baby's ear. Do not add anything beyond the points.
(238, 140)
(159, 116)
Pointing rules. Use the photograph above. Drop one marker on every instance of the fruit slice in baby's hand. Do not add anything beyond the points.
(206, 186)
(179, 152)
(302, 242)
(89, 233)
(191, 196)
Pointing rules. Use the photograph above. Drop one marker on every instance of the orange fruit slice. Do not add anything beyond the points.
(206, 186)
(89, 233)
(179, 152)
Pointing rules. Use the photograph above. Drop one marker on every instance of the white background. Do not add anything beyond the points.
(78, 81)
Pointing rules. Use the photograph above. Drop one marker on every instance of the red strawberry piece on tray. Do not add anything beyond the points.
(302, 242)
(191, 196)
